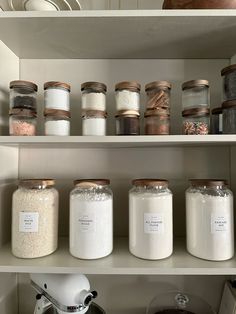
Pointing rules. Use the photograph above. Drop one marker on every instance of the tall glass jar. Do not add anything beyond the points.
(34, 218)
(23, 95)
(57, 122)
(22, 122)
(196, 121)
(229, 82)
(91, 219)
(195, 94)
(94, 122)
(150, 219)
(57, 95)
(127, 96)
(157, 122)
(210, 220)
(229, 117)
(158, 95)
(93, 96)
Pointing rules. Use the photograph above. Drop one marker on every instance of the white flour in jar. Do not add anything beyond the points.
(57, 127)
(94, 126)
(210, 226)
(94, 101)
(127, 100)
(57, 98)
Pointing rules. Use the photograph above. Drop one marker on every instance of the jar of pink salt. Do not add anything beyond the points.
(22, 122)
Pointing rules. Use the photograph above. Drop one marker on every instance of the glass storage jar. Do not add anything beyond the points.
(34, 218)
(196, 94)
(22, 122)
(158, 95)
(229, 117)
(150, 219)
(217, 121)
(196, 121)
(210, 220)
(94, 122)
(127, 122)
(93, 96)
(57, 122)
(91, 219)
(229, 82)
(57, 95)
(127, 96)
(157, 122)
(23, 95)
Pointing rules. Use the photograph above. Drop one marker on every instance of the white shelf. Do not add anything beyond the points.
(120, 34)
(119, 262)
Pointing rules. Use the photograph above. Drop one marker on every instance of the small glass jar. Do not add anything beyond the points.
(93, 96)
(150, 219)
(57, 122)
(22, 122)
(94, 122)
(229, 82)
(157, 122)
(57, 95)
(195, 94)
(210, 220)
(158, 95)
(127, 123)
(91, 219)
(217, 121)
(23, 95)
(127, 96)
(34, 218)
(229, 117)
(196, 121)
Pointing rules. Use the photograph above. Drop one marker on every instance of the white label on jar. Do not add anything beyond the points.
(153, 223)
(29, 222)
(219, 223)
(87, 223)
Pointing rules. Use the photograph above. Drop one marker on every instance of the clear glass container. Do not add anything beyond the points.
(196, 121)
(23, 95)
(157, 122)
(57, 122)
(57, 95)
(127, 123)
(34, 218)
(229, 117)
(94, 122)
(217, 121)
(22, 122)
(158, 95)
(210, 220)
(229, 82)
(150, 219)
(91, 219)
(127, 96)
(196, 94)
(93, 96)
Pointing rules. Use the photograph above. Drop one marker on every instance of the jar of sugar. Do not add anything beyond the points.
(34, 218)
(93, 96)
(210, 220)
(57, 95)
(91, 219)
(150, 219)
(94, 122)
(127, 96)
(57, 122)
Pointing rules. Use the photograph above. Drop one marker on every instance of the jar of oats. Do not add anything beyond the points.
(34, 218)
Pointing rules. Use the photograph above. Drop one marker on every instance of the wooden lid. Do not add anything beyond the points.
(150, 182)
(94, 114)
(128, 113)
(56, 113)
(24, 84)
(157, 112)
(132, 86)
(96, 86)
(229, 104)
(33, 183)
(22, 112)
(208, 182)
(228, 69)
(218, 110)
(196, 112)
(91, 182)
(194, 83)
(56, 84)
(157, 84)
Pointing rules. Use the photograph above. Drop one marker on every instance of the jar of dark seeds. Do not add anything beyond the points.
(127, 122)
(23, 95)
(196, 121)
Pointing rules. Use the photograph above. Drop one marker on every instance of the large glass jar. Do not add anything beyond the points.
(158, 95)
(150, 219)
(195, 94)
(229, 117)
(128, 122)
(23, 95)
(94, 122)
(217, 121)
(57, 95)
(229, 82)
(127, 96)
(57, 122)
(93, 96)
(34, 218)
(22, 122)
(210, 220)
(157, 122)
(91, 219)
(196, 121)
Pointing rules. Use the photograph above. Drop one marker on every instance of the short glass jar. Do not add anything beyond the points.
(158, 95)
(57, 95)
(157, 122)
(91, 219)
(22, 122)
(229, 117)
(128, 122)
(229, 82)
(57, 122)
(196, 121)
(23, 95)
(217, 121)
(34, 218)
(150, 219)
(210, 220)
(93, 96)
(127, 96)
(94, 122)
(195, 94)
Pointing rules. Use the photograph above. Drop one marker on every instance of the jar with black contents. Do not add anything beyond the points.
(157, 122)
(127, 122)
(158, 94)
(196, 121)
(23, 95)
(229, 117)
(217, 121)
(229, 82)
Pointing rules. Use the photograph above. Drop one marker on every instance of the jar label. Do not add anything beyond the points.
(153, 223)
(219, 223)
(87, 223)
(28, 222)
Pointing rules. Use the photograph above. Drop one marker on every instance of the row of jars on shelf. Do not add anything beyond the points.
(209, 215)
